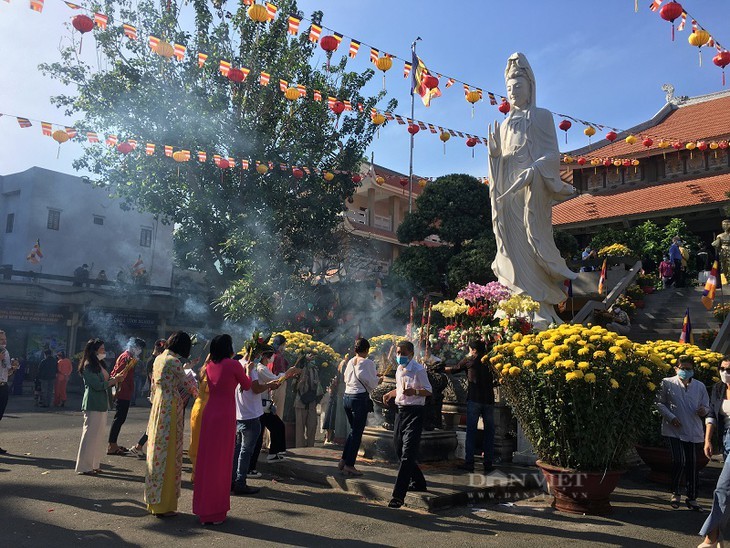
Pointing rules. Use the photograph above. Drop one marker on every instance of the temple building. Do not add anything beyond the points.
(678, 166)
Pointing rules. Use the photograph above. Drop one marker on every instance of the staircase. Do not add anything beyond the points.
(664, 313)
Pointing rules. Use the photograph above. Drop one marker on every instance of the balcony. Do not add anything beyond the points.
(381, 222)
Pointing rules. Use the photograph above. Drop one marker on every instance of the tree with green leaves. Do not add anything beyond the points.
(456, 209)
(254, 235)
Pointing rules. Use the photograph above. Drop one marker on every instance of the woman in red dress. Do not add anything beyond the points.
(212, 489)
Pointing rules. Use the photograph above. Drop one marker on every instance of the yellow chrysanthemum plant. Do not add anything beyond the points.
(301, 344)
(615, 250)
(580, 393)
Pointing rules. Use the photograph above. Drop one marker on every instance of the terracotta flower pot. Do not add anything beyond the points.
(639, 304)
(580, 492)
(659, 461)
(648, 289)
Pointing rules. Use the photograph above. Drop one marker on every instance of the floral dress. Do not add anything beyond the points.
(165, 430)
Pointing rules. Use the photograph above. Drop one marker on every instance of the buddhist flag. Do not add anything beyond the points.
(202, 57)
(683, 22)
(314, 33)
(407, 69)
(354, 48)
(655, 5)
(568, 284)
(450, 82)
(92, 136)
(130, 31)
(73, 6)
(138, 267)
(686, 337)
(35, 255)
(708, 295)
(374, 54)
(244, 164)
(302, 90)
(179, 51)
(419, 75)
(101, 20)
(46, 128)
(283, 85)
(294, 25)
(168, 151)
(149, 148)
(23, 122)
(264, 78)
(153, 42)
(317, 95)
(36, 5)
(202, 156)
(492, 98)
(602, 279)
(271, 9)
(224, 67)
(71, 132)
(111, 140)
(132, 142)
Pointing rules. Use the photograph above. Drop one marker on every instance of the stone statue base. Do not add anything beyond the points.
(525, 454)
(436, 445)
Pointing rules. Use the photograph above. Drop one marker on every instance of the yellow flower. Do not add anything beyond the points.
(504, 322)
(598, 354)
(515, 371)
(547, 345)
(645, 371)
(542, 355)
(614, 383)
(583, 365)
(614, 349)
(574, 375)
(495, 358)
(584, 351)
(517, 336)
(590, 378)
(651, 386)
(532, 348)
(569, 364)
(528, 363)
(619, 356)
(549, 372)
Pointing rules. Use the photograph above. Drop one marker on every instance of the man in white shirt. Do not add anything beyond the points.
(248, 428)
(5, 372)
(412, 387)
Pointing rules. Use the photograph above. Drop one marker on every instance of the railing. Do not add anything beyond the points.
(586, 312)
(29, 276)
(383, 222)
(359, 217)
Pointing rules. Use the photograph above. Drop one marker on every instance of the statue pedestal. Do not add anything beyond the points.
(525, 453)
(436, 445)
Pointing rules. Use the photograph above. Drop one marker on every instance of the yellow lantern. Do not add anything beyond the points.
(590, 131)
(568, 159)
(328, 176)
(630, 140)
(422, 183)
(691, 145)
(179, 156)
(699, 38)
(663, 144)
(595, 162)
(378, 119)
(60, 136)
(380, 180)
(714, 145)
(165, 49)
(262, 168)
(292, 93)
(258, 13)
(617, 163)
(384, 63)
(444, 136)
(472, 97)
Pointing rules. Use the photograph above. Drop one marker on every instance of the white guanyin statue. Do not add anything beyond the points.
(524, 175)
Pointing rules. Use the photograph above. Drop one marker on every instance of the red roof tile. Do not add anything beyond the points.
(660, 197)
(698, 120)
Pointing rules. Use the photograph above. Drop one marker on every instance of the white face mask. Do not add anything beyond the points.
(101, 356)
(725, 377)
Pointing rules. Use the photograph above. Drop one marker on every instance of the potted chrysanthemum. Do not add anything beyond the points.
(581, 395)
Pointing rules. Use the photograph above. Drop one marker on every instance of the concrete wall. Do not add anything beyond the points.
(112, 246)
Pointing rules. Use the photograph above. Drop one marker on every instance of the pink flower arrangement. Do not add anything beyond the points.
(493, 292)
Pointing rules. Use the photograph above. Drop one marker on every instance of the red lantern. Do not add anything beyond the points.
(647, 142)
(471, 142)
(298, 173)
(83, 24)
(504, 107)
(565, 126)
(611, 136)
(677, 145)
(329, 44)
(581, 161)
(125, 147)
(670, 12)
(357, 178)
(722, 60)
(223, 164)
(627, 163)
(338, 107)
(702, 145)
(723, 145)
(403, 182)
(413, 129)
(236, 75)
(430, 81)
(607, 162)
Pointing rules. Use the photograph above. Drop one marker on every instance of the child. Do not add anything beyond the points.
(666, 271)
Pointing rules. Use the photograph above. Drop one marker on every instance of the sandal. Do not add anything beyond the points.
(119, 451)
(674, 501)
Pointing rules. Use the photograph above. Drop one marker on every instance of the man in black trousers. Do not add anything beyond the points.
(412, 387)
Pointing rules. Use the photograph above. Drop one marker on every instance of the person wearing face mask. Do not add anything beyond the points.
(124, 368)
(683, 403)
(412, 387)
(95, 407)
(718, 420)
(6, 369)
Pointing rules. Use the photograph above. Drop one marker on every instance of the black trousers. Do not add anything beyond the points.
(684, 461)
(277, 436)
(4, 392)
(120, 416)
(407, 438)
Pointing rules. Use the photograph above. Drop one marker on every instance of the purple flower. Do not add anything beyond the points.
(492, 292)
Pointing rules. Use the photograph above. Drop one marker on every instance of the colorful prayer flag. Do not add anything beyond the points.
(354, 48)
(314, 33)
(708, 294)
(264, 78)
(302, 90)
(168, 150)
(492, 98)
(101, 20)
(202, 156)
(655, 5)
(179, 51)
(202, 57)
(71, 132)
(683, 22)
(450, 82)
(92, 136)
(36, 5)
(111, 140)
(138, 267)
(687, 337)
(149, 149)
(132, 142)
(374, 54)
(73, 6)
(46, 128)
(244, 164)
(294, 25)
(317, 95)
(35, 255)
(224, 67)
(153, 42)
(130, 31)
(407, 69)
(283, 85)
(602, 279)
(23, 122)
(271, 9)
(418, 85)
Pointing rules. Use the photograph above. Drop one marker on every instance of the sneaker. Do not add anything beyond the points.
(137, 453)
(395, 503)
(274, 457)
(254, 474)
(245, 490)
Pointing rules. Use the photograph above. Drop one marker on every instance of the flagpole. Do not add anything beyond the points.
(413, 108)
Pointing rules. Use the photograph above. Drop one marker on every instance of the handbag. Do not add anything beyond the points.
(371, 406)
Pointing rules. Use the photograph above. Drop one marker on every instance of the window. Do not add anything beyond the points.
(145, 237)
(54, 219)
(98, 220)
(10, 221)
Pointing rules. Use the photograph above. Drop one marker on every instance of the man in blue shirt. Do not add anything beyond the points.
(675, 255)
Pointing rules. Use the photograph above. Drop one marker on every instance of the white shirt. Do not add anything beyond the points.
(248, 404)
(413, 375)
(5, 367)
(363, 369)
(266, 376)
(675, 400)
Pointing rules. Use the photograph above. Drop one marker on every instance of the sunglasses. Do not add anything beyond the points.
(725, 369)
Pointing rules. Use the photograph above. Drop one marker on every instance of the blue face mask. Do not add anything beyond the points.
(685, 374)
(403, 360)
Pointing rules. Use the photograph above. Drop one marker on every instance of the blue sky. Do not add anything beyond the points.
(597, 61)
